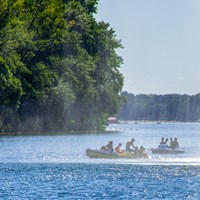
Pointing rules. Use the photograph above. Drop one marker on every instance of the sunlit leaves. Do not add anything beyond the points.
(58, 65)
(10, 87)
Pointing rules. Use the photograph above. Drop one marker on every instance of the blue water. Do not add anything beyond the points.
(98, 181)
(56, 167)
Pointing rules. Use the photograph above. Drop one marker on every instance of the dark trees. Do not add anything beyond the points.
(59, 68)
(171, 107)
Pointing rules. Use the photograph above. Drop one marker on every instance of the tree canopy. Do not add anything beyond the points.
(59, 70)
(170, 107)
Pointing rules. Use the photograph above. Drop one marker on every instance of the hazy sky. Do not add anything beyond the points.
(161, 40)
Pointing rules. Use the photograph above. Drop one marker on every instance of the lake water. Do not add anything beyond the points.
(56, 167)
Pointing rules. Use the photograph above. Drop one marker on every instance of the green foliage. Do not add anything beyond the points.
(10, 87)
(59, 67)
(171, 107)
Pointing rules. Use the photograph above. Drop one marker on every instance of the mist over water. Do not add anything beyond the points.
(70, 148)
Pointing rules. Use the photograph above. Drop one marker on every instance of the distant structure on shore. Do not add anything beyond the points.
(112, 120)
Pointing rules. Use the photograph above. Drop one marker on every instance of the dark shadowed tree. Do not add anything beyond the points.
(59, 67)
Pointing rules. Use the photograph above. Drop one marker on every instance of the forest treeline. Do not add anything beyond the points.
(59, 70)
(171, 107)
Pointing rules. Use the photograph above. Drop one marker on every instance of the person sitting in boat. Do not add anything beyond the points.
(142, 153)
(166, 140)
(163, 143)
(117, 149)
(108, 147)
(130, 144)
(176, 144)
(171, 144)
(162, 140)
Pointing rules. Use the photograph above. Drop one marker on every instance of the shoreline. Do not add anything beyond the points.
(93, 132)
(154, 122)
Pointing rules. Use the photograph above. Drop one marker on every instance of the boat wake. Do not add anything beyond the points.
(150, 161)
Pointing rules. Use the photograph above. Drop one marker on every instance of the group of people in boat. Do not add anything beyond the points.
(173, 143)
(130, 148)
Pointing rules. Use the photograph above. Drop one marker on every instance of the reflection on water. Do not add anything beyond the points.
(71, 148)
(94, 181)
(56, 167)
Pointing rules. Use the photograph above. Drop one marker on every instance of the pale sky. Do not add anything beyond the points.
(161, 40)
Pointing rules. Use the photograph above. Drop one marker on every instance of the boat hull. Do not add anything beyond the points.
(93, 153)
(166, 151)
(100, 154)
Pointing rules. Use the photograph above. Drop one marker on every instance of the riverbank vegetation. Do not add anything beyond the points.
(59, 70)
(170, 107)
